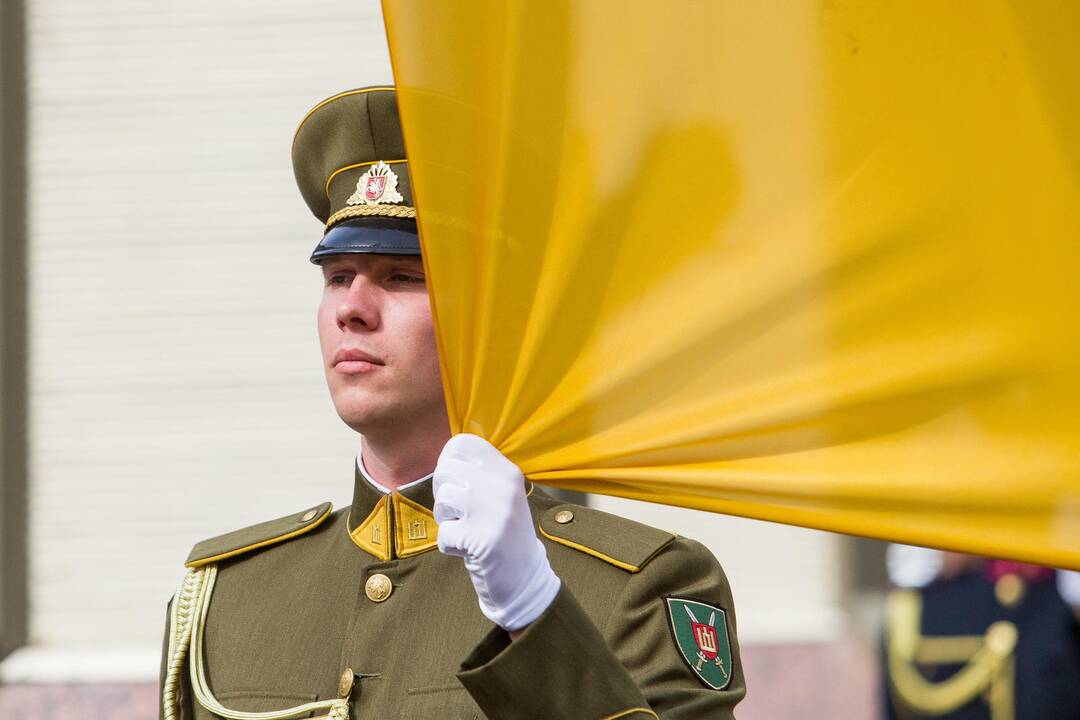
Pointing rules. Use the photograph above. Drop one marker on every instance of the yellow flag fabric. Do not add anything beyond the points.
(811, 262)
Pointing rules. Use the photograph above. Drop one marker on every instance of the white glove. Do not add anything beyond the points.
(1068, 582)
(483, 516)
(913, 567)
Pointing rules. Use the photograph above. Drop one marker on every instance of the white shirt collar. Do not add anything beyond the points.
(379, 486)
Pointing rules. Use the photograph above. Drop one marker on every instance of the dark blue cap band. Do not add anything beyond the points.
(371, 234)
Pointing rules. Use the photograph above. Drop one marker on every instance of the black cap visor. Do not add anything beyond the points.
(371, 234)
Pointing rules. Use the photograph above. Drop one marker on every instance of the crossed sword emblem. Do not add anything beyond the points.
(705, 643)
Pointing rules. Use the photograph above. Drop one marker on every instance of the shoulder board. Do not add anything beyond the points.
(623, 543)
(257, 536)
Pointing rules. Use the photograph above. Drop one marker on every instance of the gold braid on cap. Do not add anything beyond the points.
(355, 211)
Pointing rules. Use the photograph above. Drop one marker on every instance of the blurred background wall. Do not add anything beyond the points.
(160, 373)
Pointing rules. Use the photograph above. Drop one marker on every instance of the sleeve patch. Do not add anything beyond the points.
(699, 631)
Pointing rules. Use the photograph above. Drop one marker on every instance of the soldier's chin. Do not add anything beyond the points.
(362, 415)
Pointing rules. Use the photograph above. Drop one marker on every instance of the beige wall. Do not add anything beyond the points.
(175, 384)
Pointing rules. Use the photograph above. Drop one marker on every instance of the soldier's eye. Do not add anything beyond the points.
(407, 278)
(338, 279)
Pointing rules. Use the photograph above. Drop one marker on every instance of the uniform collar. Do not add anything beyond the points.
(378, 485)
(395, 524)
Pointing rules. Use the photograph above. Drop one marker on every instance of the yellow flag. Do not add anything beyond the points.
(812, 262)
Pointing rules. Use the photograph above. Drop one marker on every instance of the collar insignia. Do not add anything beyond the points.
(377, 186)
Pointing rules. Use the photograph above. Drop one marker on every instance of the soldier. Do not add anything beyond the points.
(969, 638)
(451, 587)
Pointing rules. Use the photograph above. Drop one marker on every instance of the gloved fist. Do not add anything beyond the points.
(483, 517)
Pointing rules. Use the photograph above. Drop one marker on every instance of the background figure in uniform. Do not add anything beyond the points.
(451, 587)
(970, 638)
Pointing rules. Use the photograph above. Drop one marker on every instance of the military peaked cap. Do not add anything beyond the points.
(349, 160)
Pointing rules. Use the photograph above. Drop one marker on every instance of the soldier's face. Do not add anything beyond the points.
(378, 343)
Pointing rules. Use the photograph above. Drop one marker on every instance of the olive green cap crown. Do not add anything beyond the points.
(349, 161)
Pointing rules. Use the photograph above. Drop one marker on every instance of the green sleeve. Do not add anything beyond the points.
(559, 668)
(562, 667)
(640, 634)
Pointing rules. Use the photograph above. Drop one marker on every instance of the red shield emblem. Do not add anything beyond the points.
(376, 185)
(706, 639)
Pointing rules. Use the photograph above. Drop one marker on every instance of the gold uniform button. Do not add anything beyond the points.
(1009, 590)
(309, 515)
(345, 686)
(378, 587)
(564, 516)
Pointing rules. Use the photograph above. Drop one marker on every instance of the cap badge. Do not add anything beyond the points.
(378, 185)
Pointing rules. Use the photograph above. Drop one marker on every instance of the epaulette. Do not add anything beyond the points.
(257, 536)
(623, 543)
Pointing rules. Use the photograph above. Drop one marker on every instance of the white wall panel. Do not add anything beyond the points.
(176, 388)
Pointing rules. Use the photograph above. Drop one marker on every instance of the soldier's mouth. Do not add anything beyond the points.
(351, 361)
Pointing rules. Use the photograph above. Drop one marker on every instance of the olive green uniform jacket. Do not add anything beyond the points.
(294, 608)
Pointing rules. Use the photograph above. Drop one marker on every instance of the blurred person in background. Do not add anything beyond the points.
(973, 638)
(532, 609)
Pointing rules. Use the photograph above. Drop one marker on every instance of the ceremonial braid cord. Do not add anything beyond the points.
(188, 619)
(179, 639)
(989, 666)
